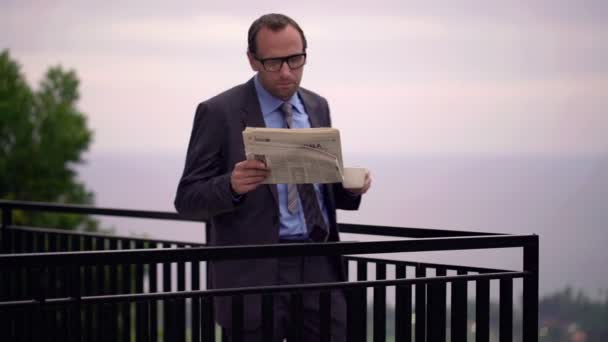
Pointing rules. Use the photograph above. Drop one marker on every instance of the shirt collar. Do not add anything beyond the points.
(269, 103)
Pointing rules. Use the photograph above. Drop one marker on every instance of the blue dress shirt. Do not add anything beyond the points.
(292, 226)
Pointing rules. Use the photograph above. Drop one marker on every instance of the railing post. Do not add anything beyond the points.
(530, 291)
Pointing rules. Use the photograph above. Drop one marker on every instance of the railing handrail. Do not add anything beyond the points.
(191, 244)
(111, 257)
(409, 232)
(268, 289)
(91, 210)
(102, 235)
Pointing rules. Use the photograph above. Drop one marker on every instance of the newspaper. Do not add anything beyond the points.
(296, 156)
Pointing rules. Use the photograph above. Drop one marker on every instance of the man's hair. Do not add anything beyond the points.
(275, 22)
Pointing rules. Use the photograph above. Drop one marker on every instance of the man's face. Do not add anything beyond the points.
(286, 42)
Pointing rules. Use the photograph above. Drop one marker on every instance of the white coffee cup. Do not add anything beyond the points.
(354, 177)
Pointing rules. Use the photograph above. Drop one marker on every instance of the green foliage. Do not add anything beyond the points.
(42, 138)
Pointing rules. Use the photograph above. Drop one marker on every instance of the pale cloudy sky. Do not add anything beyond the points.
(407, 78)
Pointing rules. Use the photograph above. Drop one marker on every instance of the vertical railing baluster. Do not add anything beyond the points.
(52, 312)
(458, 315)
(5, 232)
(63, 270)
(139, 288)
(21, 283)
(5, 248)
(73, 290)
(506, 310)
(432, 317)
(29, 242)
(127, 275)
(9, 240)
(437, 311)
(42, 242)
(52, 270)
(62, 291)
(482, 310)
(110, 318)
(112, 287)
(195, 284)
(88, 290)
(196, 319)
(9, 324)
(208, 323)
(379, 327)
(172, 326)
(39, 293)
(237, 318)
(420, 328)
(143, 322)
(35, 237)
(100, 245)
(166, 288)
(28, 324)
(403, 307)
(153, 304)
(355, 314)
(436, 316)
(18, 241)
(104, 324)
(362, 276)
(181, 304)
(139, 271)
(76, 286)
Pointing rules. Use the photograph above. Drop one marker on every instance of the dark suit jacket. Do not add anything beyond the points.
(216, 145)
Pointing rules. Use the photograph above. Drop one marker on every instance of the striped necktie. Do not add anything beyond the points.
(315, 224)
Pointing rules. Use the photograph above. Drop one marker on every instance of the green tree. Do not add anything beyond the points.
(42, 138)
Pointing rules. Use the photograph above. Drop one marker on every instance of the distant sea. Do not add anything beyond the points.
(563, 200)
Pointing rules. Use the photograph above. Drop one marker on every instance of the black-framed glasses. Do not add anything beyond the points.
(276, 63)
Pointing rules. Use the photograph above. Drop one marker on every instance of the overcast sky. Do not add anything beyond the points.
(406, 78)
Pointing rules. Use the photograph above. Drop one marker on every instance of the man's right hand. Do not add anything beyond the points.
(247, 175)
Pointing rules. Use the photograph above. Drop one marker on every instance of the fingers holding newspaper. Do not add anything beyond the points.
(248, 175)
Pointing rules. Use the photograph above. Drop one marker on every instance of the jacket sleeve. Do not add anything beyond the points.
(344, 199)
(204, 189)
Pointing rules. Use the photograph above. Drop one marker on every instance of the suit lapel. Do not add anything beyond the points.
(252, 114)
(311, 107)
(253, 117)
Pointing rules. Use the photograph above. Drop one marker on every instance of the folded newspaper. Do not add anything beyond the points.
(296, 156)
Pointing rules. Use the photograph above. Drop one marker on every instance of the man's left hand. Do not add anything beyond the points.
(366, 185)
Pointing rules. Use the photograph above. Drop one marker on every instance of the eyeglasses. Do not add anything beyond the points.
(275, 64)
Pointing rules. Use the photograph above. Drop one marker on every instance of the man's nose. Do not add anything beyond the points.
(285, 70)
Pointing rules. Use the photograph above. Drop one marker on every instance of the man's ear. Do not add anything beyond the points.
(253, 62)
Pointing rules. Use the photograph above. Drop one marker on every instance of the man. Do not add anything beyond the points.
(220, 186)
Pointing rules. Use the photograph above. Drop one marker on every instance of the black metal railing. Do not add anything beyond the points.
(73, 286)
